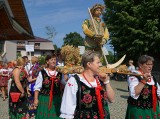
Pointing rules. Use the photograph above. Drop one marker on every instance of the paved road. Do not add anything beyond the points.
(117, 109)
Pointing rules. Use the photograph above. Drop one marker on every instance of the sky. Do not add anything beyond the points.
(65, 16)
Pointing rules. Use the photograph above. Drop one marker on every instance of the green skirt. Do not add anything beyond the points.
(107, 111)
(17, 116)
(43, 112)
(134, 112)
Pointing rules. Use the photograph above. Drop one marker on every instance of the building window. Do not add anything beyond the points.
(21, 43)
(32, 53)
(37, 44)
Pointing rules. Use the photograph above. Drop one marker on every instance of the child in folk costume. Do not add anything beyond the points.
(48, 91)
(144, 92)
(33, 73)
(86, 94)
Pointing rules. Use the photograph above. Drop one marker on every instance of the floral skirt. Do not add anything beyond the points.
(18, 110)
(134, 112)
(43, 112)
(31, 109)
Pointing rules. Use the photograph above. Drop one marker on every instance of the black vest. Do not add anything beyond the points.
(87, 107)
(47, 82)
(145, 98)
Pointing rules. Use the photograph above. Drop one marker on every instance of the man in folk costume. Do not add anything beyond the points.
(95, 30)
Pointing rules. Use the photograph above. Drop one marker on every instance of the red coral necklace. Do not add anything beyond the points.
(87, 80)
(51, 74)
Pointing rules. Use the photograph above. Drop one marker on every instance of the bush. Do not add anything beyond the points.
(41, 60)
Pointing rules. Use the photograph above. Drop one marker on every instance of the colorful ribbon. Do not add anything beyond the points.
(154, 97)
(51, 92)
(99, 99)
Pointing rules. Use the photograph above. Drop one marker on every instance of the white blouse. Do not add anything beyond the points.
(69, 100)
(38, 84)
(133, 81)
(5, 70)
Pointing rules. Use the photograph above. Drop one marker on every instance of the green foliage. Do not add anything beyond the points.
(55, 47)
(41, 60)
(110, 57)
(19, 55)
(74, 39)
(134, 27)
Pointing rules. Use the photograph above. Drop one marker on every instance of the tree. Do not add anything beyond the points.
(50, 32)
(134, 27)
(74, 39)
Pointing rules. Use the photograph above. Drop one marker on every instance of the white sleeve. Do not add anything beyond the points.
(69, 100)
(158, 90)
(38, 84)
(132, 82)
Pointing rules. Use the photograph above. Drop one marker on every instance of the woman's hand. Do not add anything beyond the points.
(103, 77)
(35, 103)
(22, 95)
(147, 76)
(30, 79)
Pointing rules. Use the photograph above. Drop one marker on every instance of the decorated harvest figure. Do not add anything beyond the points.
(95, 30)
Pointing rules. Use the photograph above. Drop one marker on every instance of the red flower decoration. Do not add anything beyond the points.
(46, 81)
(95, 117)
(147, 117)
(87, 98)
(146, 91)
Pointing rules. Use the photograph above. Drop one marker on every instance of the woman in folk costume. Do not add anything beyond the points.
(86, 95)
(33, 73)
(4, 80)
(95, 30)
(144, 92)
(48, 92)
(18, 109)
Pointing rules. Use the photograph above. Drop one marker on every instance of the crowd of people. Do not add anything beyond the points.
(40, 92)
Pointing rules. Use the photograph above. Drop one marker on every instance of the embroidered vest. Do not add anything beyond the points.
(46, 84)
(99, 26)
(89, 106)
(145, 98)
